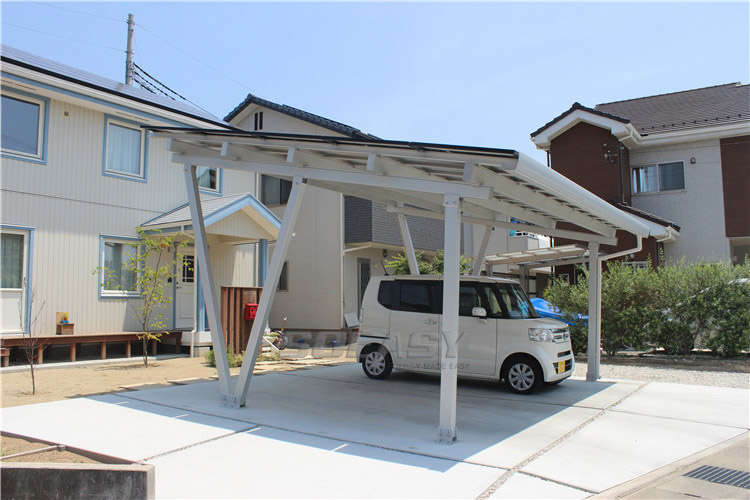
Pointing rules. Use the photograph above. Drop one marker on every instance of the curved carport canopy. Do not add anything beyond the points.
(453, 183)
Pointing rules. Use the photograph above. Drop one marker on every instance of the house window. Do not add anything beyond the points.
(124, 150)
(659, 177)
(23, 126)
(118, 278)
(258, 121)
(208, 179)
(274, 191)
(12, 255)
(284, 278)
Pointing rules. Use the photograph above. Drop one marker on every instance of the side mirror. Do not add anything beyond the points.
(479, 312)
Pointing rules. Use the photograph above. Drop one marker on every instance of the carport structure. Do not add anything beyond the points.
(453, 183)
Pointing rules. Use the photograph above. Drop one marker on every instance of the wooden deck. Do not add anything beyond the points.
(15, 341)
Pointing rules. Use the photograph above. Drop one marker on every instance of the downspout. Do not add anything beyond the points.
(637, 249)
(619, 170)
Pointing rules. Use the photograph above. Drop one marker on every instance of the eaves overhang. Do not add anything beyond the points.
(620, 128)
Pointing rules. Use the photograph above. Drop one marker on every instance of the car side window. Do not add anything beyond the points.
(514, 302)
(494, 309)
(415, 297)
(385, 294)
(468, 299)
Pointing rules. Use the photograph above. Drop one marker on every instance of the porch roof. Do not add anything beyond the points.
(266, 224)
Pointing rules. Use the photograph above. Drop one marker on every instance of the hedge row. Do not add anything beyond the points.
(676, 307)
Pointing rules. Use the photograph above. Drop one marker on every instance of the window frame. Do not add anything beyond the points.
(282, 200)
(657, 165)
(219, 181)
(115, 294)
(24, 256)
(42, 126)
(143, 154)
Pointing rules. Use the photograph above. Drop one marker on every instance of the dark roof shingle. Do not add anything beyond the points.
(574, 107)
(702, 107)
(645, 215)
(298, 113)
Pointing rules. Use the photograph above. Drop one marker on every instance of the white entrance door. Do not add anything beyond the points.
(14, 250)
(185, 291)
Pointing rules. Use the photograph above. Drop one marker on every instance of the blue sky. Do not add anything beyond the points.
(481, 74)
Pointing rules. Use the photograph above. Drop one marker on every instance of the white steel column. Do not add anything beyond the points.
(408, 245)
(269, 290)
(595, 307)
(207, 279)
(449, 337)
(482, 251)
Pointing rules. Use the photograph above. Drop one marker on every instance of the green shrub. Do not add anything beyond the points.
(728, 299)
(627, 305)
(702, 305)
(235, 360)
(572, 300)
(400, 263)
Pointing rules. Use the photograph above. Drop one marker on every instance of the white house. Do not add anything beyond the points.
(79, 175)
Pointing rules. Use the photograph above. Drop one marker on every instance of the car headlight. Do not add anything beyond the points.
(557, 335)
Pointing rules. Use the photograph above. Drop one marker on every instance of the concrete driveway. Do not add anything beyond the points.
(330, 432)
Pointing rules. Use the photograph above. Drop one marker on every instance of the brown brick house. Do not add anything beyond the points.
(679, 162)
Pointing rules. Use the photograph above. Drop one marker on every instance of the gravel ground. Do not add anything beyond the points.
(672, 375)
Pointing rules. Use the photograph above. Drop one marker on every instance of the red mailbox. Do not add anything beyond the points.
(250, 310)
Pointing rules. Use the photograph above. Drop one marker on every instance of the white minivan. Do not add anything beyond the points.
(501, 337)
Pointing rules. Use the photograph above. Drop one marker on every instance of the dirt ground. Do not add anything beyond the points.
(12, 445)
(53, 384)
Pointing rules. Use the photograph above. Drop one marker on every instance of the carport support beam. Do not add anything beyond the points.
(595, 307)
(449, 337)
(408, 244)
(482, 251)
(207, 278)
(269, 290)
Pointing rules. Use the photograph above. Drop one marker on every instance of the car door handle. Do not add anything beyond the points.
(430, 322)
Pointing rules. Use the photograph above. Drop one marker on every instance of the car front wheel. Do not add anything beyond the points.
(523, 375)
(377, 364)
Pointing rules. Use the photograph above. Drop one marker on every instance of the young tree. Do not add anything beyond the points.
(32, 346)
(153, 267)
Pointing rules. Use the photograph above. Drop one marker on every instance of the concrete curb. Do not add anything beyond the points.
(22, 480)
(90, 362)
(687, 363)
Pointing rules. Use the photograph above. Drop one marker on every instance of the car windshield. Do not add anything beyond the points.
(514, 301)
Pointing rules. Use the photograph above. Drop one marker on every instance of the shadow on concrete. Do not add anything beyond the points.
(495, 427)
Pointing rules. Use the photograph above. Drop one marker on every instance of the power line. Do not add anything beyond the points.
(153, 82)
(62, 36)
(157, 81)
(80, 12)
(194, 58)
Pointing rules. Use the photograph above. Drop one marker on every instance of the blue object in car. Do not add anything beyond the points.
(547, 310)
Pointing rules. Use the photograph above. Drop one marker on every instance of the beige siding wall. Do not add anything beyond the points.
(273, 121)
(70, 204)
(698, 209)
(314, 299)
(315, 296)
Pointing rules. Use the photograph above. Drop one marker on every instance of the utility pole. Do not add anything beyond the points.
(129, 52)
